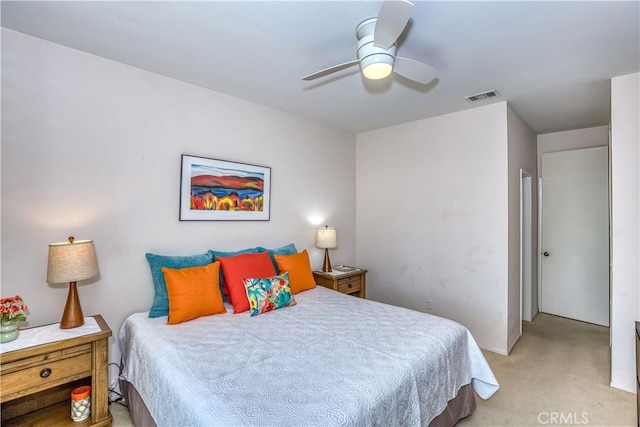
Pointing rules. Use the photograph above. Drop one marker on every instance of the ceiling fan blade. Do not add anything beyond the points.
(330, 70)
(393, 17)
(414, 70)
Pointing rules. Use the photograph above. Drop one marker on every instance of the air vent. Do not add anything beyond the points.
(482, 95)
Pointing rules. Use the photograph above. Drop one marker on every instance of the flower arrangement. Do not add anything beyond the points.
(12, 310)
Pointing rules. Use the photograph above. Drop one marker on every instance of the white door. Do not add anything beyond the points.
(575, 235)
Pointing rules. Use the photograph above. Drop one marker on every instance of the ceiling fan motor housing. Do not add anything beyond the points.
(369, 54)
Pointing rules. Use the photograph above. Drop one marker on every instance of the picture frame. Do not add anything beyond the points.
(221, 190)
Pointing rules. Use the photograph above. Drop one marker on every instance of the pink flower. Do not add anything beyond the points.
(12, 310)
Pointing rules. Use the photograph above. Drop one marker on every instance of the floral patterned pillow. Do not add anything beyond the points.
(268, 294)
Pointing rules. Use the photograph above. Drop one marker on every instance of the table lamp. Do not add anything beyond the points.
(71, 262)
(326, 238)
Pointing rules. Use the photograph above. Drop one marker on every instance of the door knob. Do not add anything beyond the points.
(545, 253)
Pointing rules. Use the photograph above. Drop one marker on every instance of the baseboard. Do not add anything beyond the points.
(623, 388)
(493, 350)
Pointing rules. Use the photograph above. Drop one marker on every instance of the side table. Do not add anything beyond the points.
(350, 280)
(36, 381)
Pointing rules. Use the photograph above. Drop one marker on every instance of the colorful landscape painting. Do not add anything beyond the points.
(221, 190)
(214, 188)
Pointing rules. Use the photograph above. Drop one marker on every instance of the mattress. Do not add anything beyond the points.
(332, 359)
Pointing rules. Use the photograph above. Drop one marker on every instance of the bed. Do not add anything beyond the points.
(329, 360)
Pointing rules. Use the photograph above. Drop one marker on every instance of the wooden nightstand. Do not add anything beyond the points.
(36, 381)
(352, 282)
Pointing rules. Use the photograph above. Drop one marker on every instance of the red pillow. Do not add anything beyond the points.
(245, 266)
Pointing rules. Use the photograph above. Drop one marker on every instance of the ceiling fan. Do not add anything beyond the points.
(377, 47)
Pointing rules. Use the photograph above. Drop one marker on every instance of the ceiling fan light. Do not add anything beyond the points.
(377, 70)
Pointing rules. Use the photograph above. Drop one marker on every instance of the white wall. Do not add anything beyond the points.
(625, 227)
(431, 218)
(572, 140)
(522, 155)
(91, 148)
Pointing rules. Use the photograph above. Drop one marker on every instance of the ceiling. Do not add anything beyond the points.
(552, 61)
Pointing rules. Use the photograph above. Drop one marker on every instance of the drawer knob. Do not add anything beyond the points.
(45, 373)
(351, 285)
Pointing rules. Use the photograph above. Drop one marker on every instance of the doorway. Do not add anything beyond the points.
(574, 273)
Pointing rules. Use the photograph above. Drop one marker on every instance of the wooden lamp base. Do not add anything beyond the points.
(326, 266)
(72, 316)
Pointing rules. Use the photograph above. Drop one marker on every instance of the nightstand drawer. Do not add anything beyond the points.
(45, 371)
(349, 280)
(349, 285)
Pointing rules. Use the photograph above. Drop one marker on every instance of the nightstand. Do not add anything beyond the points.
(36, 381)
(352, 282)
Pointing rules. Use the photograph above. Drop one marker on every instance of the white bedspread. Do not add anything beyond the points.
(330, 360)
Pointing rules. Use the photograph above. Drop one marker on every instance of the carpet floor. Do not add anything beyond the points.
(557, 374)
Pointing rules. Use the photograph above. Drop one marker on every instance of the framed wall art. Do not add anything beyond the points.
(219, 190)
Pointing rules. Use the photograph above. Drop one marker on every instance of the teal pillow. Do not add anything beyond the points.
(289, 249)
(216, 254)
(160, 306)
(269, 294)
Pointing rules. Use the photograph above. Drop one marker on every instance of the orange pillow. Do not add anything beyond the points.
(246, 266)
(299, 269)
(193, 292)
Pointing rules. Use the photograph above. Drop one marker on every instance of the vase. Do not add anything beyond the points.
(8, 332)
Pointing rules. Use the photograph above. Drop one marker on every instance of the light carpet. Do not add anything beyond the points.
(557, 374)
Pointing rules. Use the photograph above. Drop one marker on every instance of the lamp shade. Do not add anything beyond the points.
(72, 261)
(327, 238)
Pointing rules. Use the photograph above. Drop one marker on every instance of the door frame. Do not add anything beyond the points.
(526, 251)
(539, 243)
